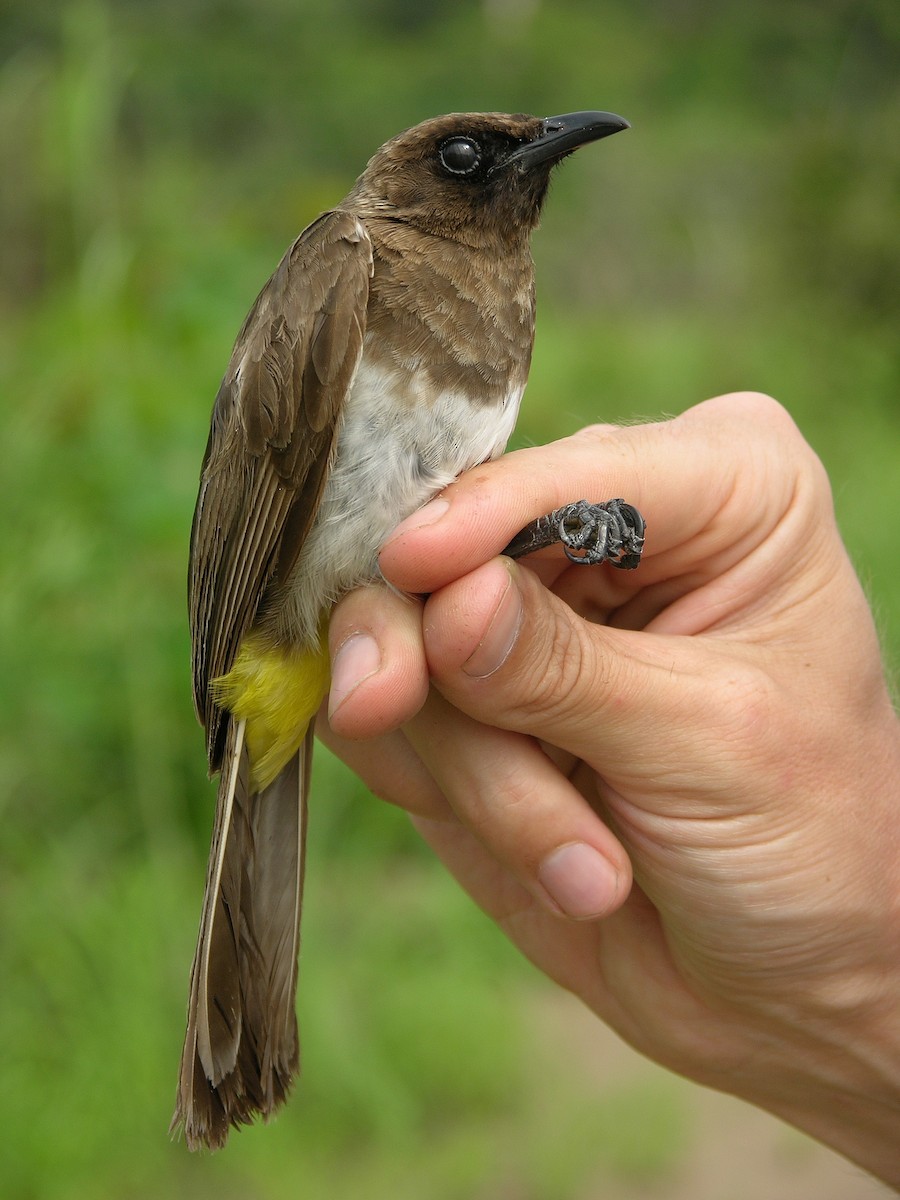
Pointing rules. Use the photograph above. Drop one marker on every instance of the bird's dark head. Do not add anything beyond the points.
(475, 177)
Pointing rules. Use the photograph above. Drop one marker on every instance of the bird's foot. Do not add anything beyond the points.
(590, 533)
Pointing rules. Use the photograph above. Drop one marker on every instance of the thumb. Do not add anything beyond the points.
(510, 653)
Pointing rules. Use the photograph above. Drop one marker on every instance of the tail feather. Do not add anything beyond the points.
(241, 1050)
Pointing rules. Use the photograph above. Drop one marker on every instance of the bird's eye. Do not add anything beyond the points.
(460, 156)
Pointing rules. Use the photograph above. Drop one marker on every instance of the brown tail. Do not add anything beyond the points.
(241, 1049)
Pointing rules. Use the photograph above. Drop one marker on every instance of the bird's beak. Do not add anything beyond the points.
(561, 135)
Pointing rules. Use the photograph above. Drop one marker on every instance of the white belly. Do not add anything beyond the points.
(391, 458)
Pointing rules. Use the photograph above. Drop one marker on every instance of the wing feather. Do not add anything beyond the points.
(272, 436)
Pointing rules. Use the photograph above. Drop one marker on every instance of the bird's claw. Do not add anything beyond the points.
(590, 533)
(610, 532)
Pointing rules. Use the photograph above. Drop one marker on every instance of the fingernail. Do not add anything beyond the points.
(500, 636)
(579, 880)
(429, 514)
(358, 658)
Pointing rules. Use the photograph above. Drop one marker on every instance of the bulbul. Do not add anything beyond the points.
(387, 354)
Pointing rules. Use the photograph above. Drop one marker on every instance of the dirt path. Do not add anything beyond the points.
(729, 1150)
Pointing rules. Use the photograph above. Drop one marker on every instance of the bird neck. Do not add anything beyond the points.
(479, 228)
(464, 314)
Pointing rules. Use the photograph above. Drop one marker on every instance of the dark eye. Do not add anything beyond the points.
(460, 156)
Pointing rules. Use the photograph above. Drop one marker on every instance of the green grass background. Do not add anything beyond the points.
(157, 158)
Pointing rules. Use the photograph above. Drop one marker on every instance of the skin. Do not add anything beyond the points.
(674, 789)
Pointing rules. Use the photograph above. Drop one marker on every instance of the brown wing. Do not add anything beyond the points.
(270, 443)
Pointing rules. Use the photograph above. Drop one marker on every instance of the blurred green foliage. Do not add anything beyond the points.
(158, 156)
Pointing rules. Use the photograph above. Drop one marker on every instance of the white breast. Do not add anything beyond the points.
(392, 457)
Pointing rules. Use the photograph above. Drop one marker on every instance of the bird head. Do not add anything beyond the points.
(474, 177)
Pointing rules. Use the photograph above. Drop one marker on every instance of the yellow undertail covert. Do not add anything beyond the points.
(276, 690)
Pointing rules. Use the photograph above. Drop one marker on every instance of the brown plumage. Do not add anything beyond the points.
(386, 354)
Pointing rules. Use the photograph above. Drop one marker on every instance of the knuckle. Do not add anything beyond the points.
(760, 413)
(597, 432)
(746, 712)
(512, 791)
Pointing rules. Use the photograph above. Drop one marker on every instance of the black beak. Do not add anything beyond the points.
(561, 135)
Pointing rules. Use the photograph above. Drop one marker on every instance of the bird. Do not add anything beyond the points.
(387, 354)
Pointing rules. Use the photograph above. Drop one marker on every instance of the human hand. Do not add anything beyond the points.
(716, 724)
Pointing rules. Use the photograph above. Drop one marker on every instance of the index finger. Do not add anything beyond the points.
(711, 484)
